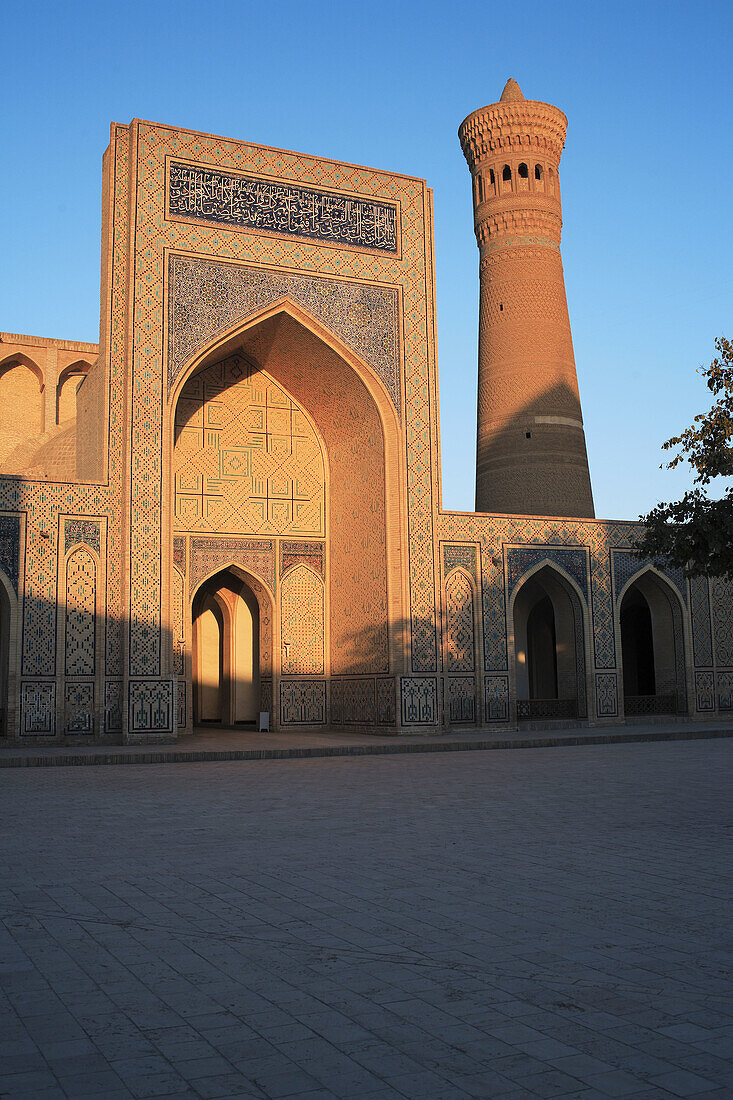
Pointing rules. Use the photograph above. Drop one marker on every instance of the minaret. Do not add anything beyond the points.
(531, 456)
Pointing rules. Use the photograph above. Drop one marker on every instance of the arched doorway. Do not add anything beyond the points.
(549, 648)
(226, 651)
(652, 648)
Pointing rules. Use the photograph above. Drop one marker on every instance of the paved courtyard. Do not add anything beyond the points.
(544, 923)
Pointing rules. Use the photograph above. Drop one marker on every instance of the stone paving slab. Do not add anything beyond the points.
(229, 745)
(474, 925)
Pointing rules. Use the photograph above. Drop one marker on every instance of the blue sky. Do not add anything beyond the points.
(646, 175)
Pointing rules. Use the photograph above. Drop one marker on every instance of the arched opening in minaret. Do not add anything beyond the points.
(506, 174)
(538, 171)
(652, 648)
(226, 666)
(549, 648)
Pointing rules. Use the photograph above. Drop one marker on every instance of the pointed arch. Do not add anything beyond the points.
(652, 628)
(67, 388)
(22, 413)
(232, 620)
(549, 643)
(366, 582)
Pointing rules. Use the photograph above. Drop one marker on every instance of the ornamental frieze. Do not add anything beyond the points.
(266, 206)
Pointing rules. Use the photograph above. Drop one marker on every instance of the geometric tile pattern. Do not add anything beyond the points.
(302, 702)
(79, 708)
(386, 701)
(459, 617)
(722, 600)
(207, 297)
(302, 553)
(704, 691)
(461, 702)
(151, 706)
(725, 690)
(606, 695)
(419, 700)
(573, 562)
(460, 556)
(38, 708)
(302, 622)
(112, 706)
(81, 531)
(255, 555)
(496, 698)
(246, 459)
(627, 565)
(353, 702)
(702, 637)
(80, 619)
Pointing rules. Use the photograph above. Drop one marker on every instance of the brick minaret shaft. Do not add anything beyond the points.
(531, 456)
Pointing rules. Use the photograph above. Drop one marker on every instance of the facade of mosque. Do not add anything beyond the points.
(231, 505)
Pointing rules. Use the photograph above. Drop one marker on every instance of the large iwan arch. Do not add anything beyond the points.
(281, 381)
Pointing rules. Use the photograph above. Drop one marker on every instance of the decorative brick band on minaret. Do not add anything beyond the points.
(531, 456)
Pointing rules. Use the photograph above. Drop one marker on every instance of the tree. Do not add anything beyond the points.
(696, 533)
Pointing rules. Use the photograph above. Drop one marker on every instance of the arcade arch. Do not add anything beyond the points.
(652, 646)
(549, 646)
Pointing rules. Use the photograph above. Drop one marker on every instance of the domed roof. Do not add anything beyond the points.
(512, 92)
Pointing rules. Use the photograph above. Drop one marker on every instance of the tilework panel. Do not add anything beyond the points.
(496, 532)
(302, 622)
(38, 708)
(80, 618)
(704, 691)
(181, 704)
(606, 695)
(386, 701)
(254, 555)
(419, 700)
(113, 706)
(179, 553)
(302, 553)
(460, 556)
(722, 601)
(178, 624)
(461, 701)
(353, 702)
(626, 565)
(459, 623)
(725, 690)
(84, 531)
(271, 206)
(10, 548)
(302, 702)
(572, 561)
(702, 636)
(247, 459)
(79, 708)
(207, 298)
(151, 706)
(266, 695)
(496, 698)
